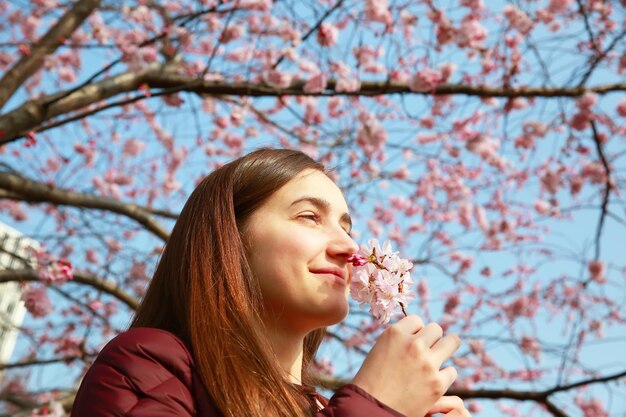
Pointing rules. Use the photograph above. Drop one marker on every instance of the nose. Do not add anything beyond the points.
(341, 245)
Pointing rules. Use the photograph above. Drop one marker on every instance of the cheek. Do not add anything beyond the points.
(273, 257)
(291, 245)
(278, 254)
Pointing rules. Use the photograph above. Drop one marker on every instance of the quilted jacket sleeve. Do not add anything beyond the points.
(141, 373)
(352, 401)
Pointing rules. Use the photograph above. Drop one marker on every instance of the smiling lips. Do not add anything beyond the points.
(338, 273)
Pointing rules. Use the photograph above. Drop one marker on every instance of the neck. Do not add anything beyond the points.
(288, 348)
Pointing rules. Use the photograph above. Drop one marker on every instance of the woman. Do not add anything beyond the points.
(254, 270)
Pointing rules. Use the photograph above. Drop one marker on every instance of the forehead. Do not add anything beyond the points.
(310, 183)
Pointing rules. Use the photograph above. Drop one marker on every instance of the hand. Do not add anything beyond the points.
(403, 368)
(449, 406)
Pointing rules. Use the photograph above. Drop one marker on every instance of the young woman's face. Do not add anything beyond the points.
(297, 246)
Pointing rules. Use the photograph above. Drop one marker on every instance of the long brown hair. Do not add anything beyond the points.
(204, 292)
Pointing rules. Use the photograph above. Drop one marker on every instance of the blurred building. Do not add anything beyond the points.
(15, 253)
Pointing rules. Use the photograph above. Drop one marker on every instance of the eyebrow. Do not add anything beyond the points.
(325, 204)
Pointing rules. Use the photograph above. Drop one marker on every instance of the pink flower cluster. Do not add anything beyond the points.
(371, 135)
(327, 34)
(428, 79)
(52, 409)
(581, 119)
(378, 11)
(597, 270)
(36, 300)
(518, 19)
(380, 279)
(591, 407)
(50, 269)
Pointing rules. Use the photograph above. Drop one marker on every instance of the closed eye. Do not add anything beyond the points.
(311, 216)
(317, 219)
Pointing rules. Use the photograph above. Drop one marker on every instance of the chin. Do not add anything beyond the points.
(336, 315)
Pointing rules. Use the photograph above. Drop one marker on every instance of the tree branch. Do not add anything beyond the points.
(101, 284)
(333, 383)
(48, 43)
(37, 362)
(584, 382)
(552, 408)
(33, 191)
(607, 188)
(34, 113)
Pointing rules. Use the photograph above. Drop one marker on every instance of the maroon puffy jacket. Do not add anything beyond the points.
(148, 372)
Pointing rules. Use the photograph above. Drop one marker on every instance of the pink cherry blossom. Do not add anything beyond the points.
(366, 54)
(447, 70)
(260, 5)
(56, 271)
(524, 306)
(594, 172)
(232, 32)
(471, 33)
(452, 302)
(557, 6)
(621, 108)
(551, 181)
(340, 69)
(518, 19)
(580, 121)
(592, 407)
(241, 54)
(487, 149)
(357, 259)
(481, 218)
(542, 207)
(597, 271)
(407, 18)
(133, 147)
(531, 346)
(91, 256)
(36, 300)
(371, 135)
(380, 279)
(347, 85)
(316, 84)
(474, 5)
(327, 34)
(535, 128)
(587, 101)
(335, 107)
(277, 79)
(446, 33)
(67, 74)
(377, 11)
(52, 409)
(425, 80)
(622, 64)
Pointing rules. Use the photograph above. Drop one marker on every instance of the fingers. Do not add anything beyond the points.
(409, 324)
(450, 406)
(448, 376)
(457, 413)
(430, 334)
(446, 346)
